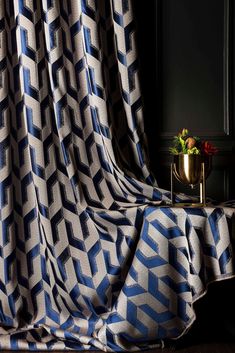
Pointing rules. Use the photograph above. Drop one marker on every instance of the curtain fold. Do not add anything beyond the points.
(75, 188)
(72, 144)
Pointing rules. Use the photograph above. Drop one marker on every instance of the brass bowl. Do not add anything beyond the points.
(188, 168)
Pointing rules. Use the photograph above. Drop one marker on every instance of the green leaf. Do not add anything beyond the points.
(193, 150)
(173, 150)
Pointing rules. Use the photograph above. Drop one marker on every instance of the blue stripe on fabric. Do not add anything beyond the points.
(224, 258)
(26, 50)
(153, 289)
(168, 233)
(150, 262)
(157, 317)
(213, 221)
(90, 49)
(147, 238)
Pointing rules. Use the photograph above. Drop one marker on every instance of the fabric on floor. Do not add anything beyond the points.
(79, 209)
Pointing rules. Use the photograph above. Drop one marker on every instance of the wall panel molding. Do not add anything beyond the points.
(227, 131)
(227, 68)
(185, 36)
(224, 137)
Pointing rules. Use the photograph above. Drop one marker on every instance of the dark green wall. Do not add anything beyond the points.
(186, 51)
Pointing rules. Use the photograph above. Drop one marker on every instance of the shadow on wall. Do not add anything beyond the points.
(187, 81)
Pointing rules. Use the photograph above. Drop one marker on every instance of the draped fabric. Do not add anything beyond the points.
(78, 260)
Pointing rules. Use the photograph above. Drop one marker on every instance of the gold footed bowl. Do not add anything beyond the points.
(187, 168)
(191, 169)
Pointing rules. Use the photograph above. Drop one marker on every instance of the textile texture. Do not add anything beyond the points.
(89, 259)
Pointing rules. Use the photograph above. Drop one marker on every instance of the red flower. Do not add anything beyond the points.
(208, 148)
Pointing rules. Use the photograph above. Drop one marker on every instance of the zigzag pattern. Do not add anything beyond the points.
(173, 262)
(84, 262)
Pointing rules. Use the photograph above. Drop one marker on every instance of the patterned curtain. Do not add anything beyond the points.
(74, 180)
(87, 260)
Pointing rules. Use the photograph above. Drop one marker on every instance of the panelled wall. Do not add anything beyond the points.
(186, 50)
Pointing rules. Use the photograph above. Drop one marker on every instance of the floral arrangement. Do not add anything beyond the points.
(184, 143)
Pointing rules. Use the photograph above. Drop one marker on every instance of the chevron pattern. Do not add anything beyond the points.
(179, 252)
(88, 259)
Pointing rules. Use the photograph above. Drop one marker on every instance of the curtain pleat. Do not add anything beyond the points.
(71, 133)
(75, 188)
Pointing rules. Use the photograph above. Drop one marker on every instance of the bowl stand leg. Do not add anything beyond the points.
(202, 190)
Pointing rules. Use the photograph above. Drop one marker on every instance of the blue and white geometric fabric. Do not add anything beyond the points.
(88, 260)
